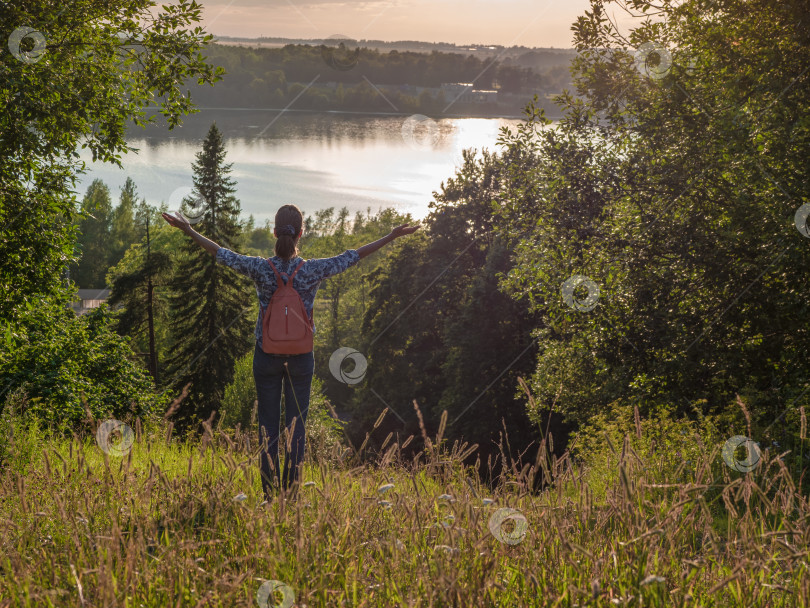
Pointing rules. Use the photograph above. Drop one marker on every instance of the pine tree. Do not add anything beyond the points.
(211, 304)
(133, 294)
(94, 238)
(123, 231)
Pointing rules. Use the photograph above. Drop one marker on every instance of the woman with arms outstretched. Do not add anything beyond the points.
(274, 366)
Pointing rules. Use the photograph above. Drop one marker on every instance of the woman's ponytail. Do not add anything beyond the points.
(289, 219)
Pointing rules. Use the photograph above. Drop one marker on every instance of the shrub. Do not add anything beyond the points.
(662, 448)
(63, 362)
(238, 404)
(20, 437)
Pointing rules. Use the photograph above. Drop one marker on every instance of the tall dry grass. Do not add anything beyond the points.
(164, 527)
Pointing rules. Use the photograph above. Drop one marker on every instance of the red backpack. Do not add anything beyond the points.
(287, 329)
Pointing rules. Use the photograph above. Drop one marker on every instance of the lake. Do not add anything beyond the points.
(311, 159)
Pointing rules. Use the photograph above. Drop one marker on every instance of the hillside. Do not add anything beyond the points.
(346, 75)
(137, 521)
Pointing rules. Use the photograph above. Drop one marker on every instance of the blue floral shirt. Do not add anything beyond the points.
(306, 280)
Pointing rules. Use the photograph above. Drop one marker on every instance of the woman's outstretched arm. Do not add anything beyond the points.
(395, 233)
(181, 223)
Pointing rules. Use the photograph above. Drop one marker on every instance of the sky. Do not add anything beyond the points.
(531, 23)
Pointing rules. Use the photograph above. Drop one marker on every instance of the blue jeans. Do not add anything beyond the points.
(270, 372)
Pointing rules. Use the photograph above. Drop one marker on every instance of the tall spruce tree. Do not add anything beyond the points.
(123, 230)
(211, 304)
(94, 236)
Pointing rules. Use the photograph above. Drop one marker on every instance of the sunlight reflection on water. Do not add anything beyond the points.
(313, 160)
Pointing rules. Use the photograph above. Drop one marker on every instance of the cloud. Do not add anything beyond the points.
(278, 4)
(506, 22)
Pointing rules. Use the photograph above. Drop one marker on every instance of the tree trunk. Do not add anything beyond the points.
(152, 351)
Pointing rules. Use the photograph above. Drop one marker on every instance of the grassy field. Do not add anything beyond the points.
(169, 524)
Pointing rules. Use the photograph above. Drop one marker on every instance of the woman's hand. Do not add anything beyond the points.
(178, 221)
(403, 230)
(391, 236)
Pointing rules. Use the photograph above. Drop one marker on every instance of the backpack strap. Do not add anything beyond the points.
(296, 270)
(278, 275)
(283, 274)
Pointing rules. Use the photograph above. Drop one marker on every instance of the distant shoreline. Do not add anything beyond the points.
(362, 112)
(415, 45)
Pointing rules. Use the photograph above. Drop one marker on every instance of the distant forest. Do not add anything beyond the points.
(534, 57)
(339, 77)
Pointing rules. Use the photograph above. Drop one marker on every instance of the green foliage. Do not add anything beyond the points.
(324, 433)
(124, 230)
(105, 233)
(488, 333)
(343, 299)
(103, 63)
(21, 436)
(437, 330)
(63, 361)
(129, 280)
(258, 241)
(95, 240)
(677, 197)
(273, 77)
(239, 400)
(210, 305)
(665, 447)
